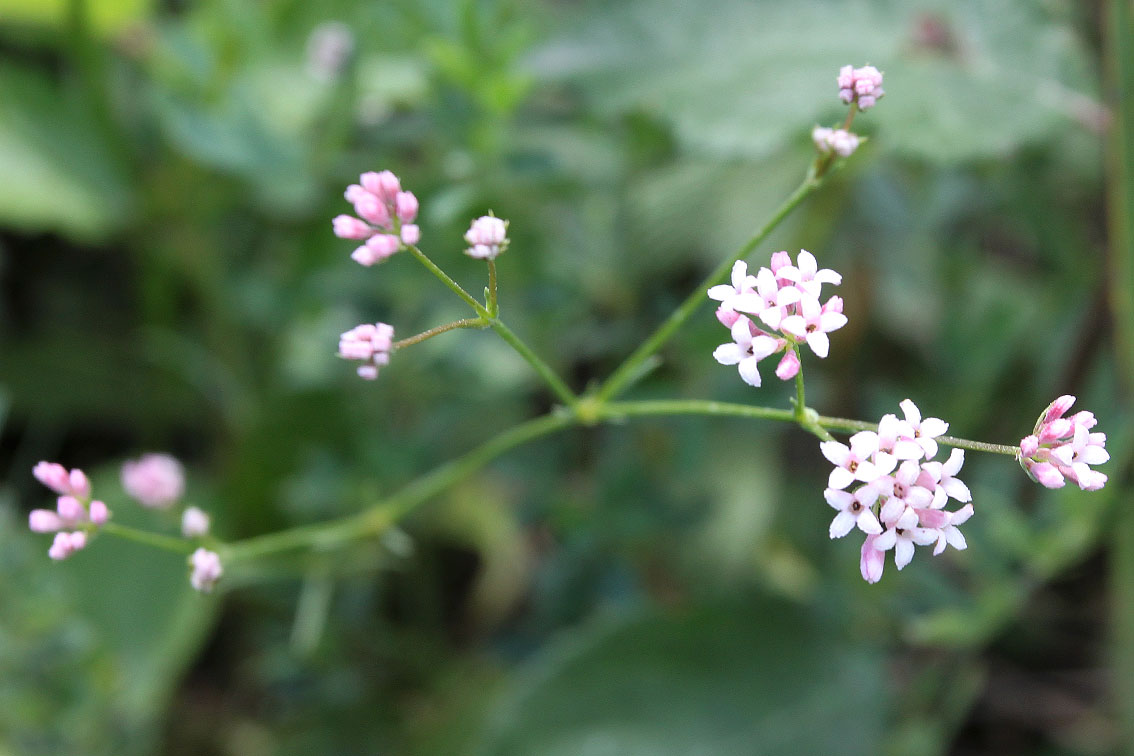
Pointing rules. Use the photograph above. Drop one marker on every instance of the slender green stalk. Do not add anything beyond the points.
(157, 540)
(465, 323)
(554, 382)
(800, 400)
(453, 285)
(493, 304)
(382, 515)
(629, 369)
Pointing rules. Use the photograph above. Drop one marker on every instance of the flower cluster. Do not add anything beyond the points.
(785, 299)
(1063, 448)
(156, 481)
(385, 221)
(370, 343)
(206, 570)
(75, 514)
(488, 237)
(860, 85)
(888, 485)
(839, 141)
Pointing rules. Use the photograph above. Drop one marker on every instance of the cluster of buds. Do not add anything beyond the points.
(785, 299)
(839, 141)
(1063, 448)
(206, 570)
(75, 514)
(371, 343)
(860, 85)
(888, 485)
(386, 215)
(488, 237)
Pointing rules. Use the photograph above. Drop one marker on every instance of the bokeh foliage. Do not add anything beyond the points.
(168, 280)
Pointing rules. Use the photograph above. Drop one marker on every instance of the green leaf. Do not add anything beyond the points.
(759, 678)
(964, 80)
(57, 169)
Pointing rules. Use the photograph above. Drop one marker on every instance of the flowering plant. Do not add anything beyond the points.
(887, 480)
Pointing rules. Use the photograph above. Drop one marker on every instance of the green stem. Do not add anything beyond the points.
(453, 285)
(382, 515)
(554, 382)
(465, 323)
(493, 304)
(800, 401)
(629, 369)
(157, 540)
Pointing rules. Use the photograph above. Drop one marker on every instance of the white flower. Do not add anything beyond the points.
(748, 347)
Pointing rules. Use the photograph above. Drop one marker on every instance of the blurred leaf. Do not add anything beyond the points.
(106, 16)
(59, 175)
(974, 79)
(752, 679)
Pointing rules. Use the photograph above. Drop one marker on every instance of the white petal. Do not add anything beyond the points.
(721, 292)
(903, 552)
(762, 346)
(840, 478)
(1094, 455)
(924, 536)
(819, 343)
(749, 302)
(842, 524)
(912, 413)
(831, 321)
(742, 332)
(826, 275)
(957, 490)
(953, 465)
(807, 264)
(749, 371)
(956, 539)
(864, 443)
(836, 453)
(886, 540)
(838, 499)
(795, 325)
(788, 295)
(868, 523)
(728, 354)
(739, 273)
(928, 446)
(892, 509)
(906, 449)
(908, 520)
(772, 317)
(933, 427)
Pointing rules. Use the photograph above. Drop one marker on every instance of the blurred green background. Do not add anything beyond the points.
(169, 281)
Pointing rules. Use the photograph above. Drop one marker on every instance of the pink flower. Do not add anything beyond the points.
(206, 570)
(854, 462)
(924, 431)
(1063, 448)
(156, 481)
(860, 85)
(789, 365)
(769, 301)
(742, 284)
(370, 343)
(194, 523)
(385, 217)
(839, 141)
(66, 544)
(854, 509)
(812, 325)
(903, 540)
(98, 513)
(749, 346)
(488, 237)
(44, 521)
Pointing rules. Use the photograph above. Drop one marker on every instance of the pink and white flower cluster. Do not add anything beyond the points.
(488, 237)
(369, 342)
(783, 298)
(839, 141)
(386, 215)
(206, 570)
(888, 485)
(860, 85)
(75, 514)
(1063, 448)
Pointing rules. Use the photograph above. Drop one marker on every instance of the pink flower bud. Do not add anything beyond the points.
(99, 514)
(411, 234)
(353, 193)
(1046, 474)
(1029, 446)
(194, 523)
(368, 372)
(488, 237)
(384, 184)
(80, 485)
(71, 510)
(44, 521)
(207, 570)
(727, 317)
(373, 209)
(54, 476)
(1055, 430)
(405, 205)
(872, 561)
(365, 256)
(1058, 408)
(155, 480)
(349, 227)
(834, 304)
(780, 260)
(382, 245)
(66, 544)
(789, 366)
